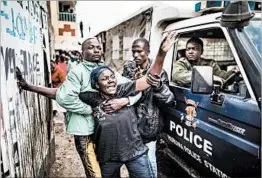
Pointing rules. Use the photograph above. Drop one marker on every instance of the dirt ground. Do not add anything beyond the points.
(68, 163)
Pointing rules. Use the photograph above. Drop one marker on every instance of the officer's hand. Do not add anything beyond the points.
(114, 105)
(153, 80)
(138, 74)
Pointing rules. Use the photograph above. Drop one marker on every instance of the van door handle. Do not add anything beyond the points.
(217, 99)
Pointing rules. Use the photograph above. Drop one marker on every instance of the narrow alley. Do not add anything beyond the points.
(67, 162)
(163, 88)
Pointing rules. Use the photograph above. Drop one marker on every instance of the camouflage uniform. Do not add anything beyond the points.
(182, 70)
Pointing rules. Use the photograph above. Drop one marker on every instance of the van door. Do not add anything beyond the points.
(220, 138)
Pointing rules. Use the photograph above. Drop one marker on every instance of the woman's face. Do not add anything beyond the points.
(107, 82)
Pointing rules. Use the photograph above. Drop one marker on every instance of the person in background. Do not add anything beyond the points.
(58, 76)
(72, 61)
(62, 61)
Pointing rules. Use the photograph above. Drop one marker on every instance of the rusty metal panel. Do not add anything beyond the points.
(26, 132)
(119, 39)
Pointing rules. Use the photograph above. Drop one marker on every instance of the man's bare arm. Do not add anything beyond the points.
(45, 91)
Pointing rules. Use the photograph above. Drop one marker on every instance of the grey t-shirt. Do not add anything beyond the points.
(116, 135)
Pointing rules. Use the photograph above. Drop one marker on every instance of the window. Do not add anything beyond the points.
(216, 52)
(253, 31)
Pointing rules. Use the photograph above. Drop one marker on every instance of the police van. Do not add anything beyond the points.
(211, 129)
(214, 130)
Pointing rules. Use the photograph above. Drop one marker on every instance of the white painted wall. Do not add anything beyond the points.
(24, 115)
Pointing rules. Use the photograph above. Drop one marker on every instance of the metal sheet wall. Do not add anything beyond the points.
(25, 117)
(119, 39)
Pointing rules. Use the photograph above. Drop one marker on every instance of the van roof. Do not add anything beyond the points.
(201, 20)
(196, 21)
(164, 12)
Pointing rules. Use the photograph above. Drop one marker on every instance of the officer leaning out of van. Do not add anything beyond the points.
(183, 67)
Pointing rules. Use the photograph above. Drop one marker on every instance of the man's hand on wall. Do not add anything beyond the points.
(22, 84)
(236, 69)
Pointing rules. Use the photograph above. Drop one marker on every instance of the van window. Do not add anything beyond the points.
(253, 31)
(216, 52)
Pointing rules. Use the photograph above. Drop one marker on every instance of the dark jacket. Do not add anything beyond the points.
(116, 135)
(150, 119)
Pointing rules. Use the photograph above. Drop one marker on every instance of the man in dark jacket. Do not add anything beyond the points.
(148, 113)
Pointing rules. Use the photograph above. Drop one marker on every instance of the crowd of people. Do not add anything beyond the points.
(62, 64)
(115, 118)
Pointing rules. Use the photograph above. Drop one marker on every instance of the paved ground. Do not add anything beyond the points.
(68, 163)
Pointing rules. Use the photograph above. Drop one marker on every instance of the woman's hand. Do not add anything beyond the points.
(168, 40)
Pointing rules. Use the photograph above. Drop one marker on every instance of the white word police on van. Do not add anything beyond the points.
(192, 138)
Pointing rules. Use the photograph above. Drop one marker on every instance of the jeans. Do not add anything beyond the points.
(138, 168)
(152, 156)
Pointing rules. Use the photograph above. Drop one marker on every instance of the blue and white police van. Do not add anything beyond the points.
(211, 130)
(214, 130)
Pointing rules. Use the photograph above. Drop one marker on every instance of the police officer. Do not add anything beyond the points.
(182, 69)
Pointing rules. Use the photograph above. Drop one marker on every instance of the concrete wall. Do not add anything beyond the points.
(27, 142)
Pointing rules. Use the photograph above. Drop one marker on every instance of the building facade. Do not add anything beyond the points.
(66, 28)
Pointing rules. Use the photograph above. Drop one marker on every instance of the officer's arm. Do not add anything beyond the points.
(162, 94)
(220, 73)
(181, 75)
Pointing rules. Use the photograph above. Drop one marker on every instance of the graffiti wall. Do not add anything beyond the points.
(25, 117)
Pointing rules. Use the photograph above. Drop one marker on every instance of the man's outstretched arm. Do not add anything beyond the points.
(45, 91)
